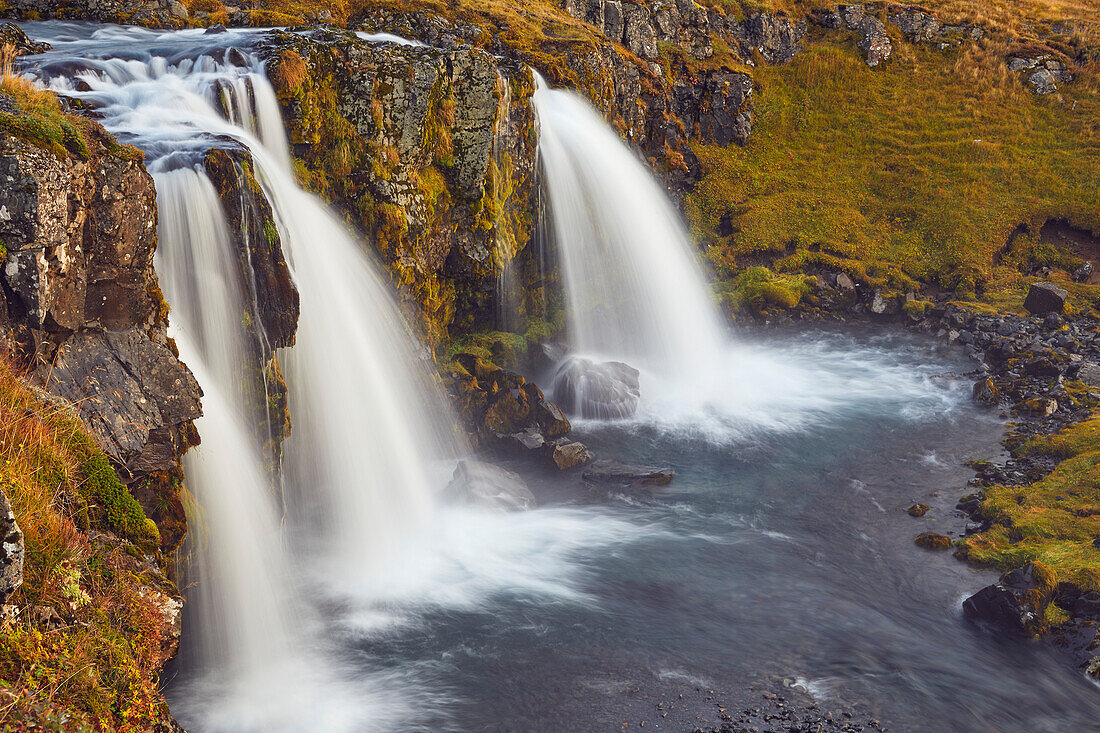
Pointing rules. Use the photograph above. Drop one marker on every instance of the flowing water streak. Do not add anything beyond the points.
(245, 613)
(634, 288)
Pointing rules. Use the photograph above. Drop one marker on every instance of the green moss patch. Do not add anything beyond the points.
(1055, 520)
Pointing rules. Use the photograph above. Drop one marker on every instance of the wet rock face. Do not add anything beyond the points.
(83, 310)
(503, 411)
(437, 159)
(607, 390)
(262, 265)
(11, 551)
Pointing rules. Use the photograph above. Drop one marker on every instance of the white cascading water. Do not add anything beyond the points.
(633, 285)
(635, 291)
(243, 604)
(370, 423)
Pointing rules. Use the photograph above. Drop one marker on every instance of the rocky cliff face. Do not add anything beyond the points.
(84, 313)
(271, 318)
(429, 151)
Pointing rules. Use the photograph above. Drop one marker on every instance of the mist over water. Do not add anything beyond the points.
(373, 604)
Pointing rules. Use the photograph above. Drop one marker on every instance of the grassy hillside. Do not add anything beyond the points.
(84, 651)
(919, 170)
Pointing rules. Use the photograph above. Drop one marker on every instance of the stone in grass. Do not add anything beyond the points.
(918, 510)
(1044, 297)
(932, 541)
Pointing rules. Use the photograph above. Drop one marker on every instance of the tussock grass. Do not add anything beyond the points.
(93, 666)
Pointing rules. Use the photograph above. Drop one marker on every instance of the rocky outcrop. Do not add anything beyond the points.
(870, 31)
(273, 300)
(150, 13)
(1044, 72)
(642, 26)
(502, 411)
(920, 27)
(84, 313)
(11, 551)
(431, 151)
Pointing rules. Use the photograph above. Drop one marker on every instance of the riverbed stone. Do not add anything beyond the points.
(932, 541)
(615, 474)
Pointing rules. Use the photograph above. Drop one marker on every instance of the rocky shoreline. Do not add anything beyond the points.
(1041, 372)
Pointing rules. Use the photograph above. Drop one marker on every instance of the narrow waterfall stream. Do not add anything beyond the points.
(780, 558)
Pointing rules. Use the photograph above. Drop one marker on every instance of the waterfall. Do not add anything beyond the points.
(242, 605)
(634, 289)
(370, 422)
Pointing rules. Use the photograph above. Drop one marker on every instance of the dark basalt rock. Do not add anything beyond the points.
(1014, 604)
(1045, 297)
(616, 475)
(607, 390)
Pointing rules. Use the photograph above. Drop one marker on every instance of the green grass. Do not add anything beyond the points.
(1053, 521)
(96, 666)
(919, 170)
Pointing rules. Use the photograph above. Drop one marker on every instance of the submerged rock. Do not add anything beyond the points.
(607, 390)
(933, 541)
(484, 484)
(616, 475)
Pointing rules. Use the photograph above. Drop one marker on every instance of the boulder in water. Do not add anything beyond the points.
(484, 484)
(1015, 603)
(625, 476)
(605, 390)
(569, 454)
